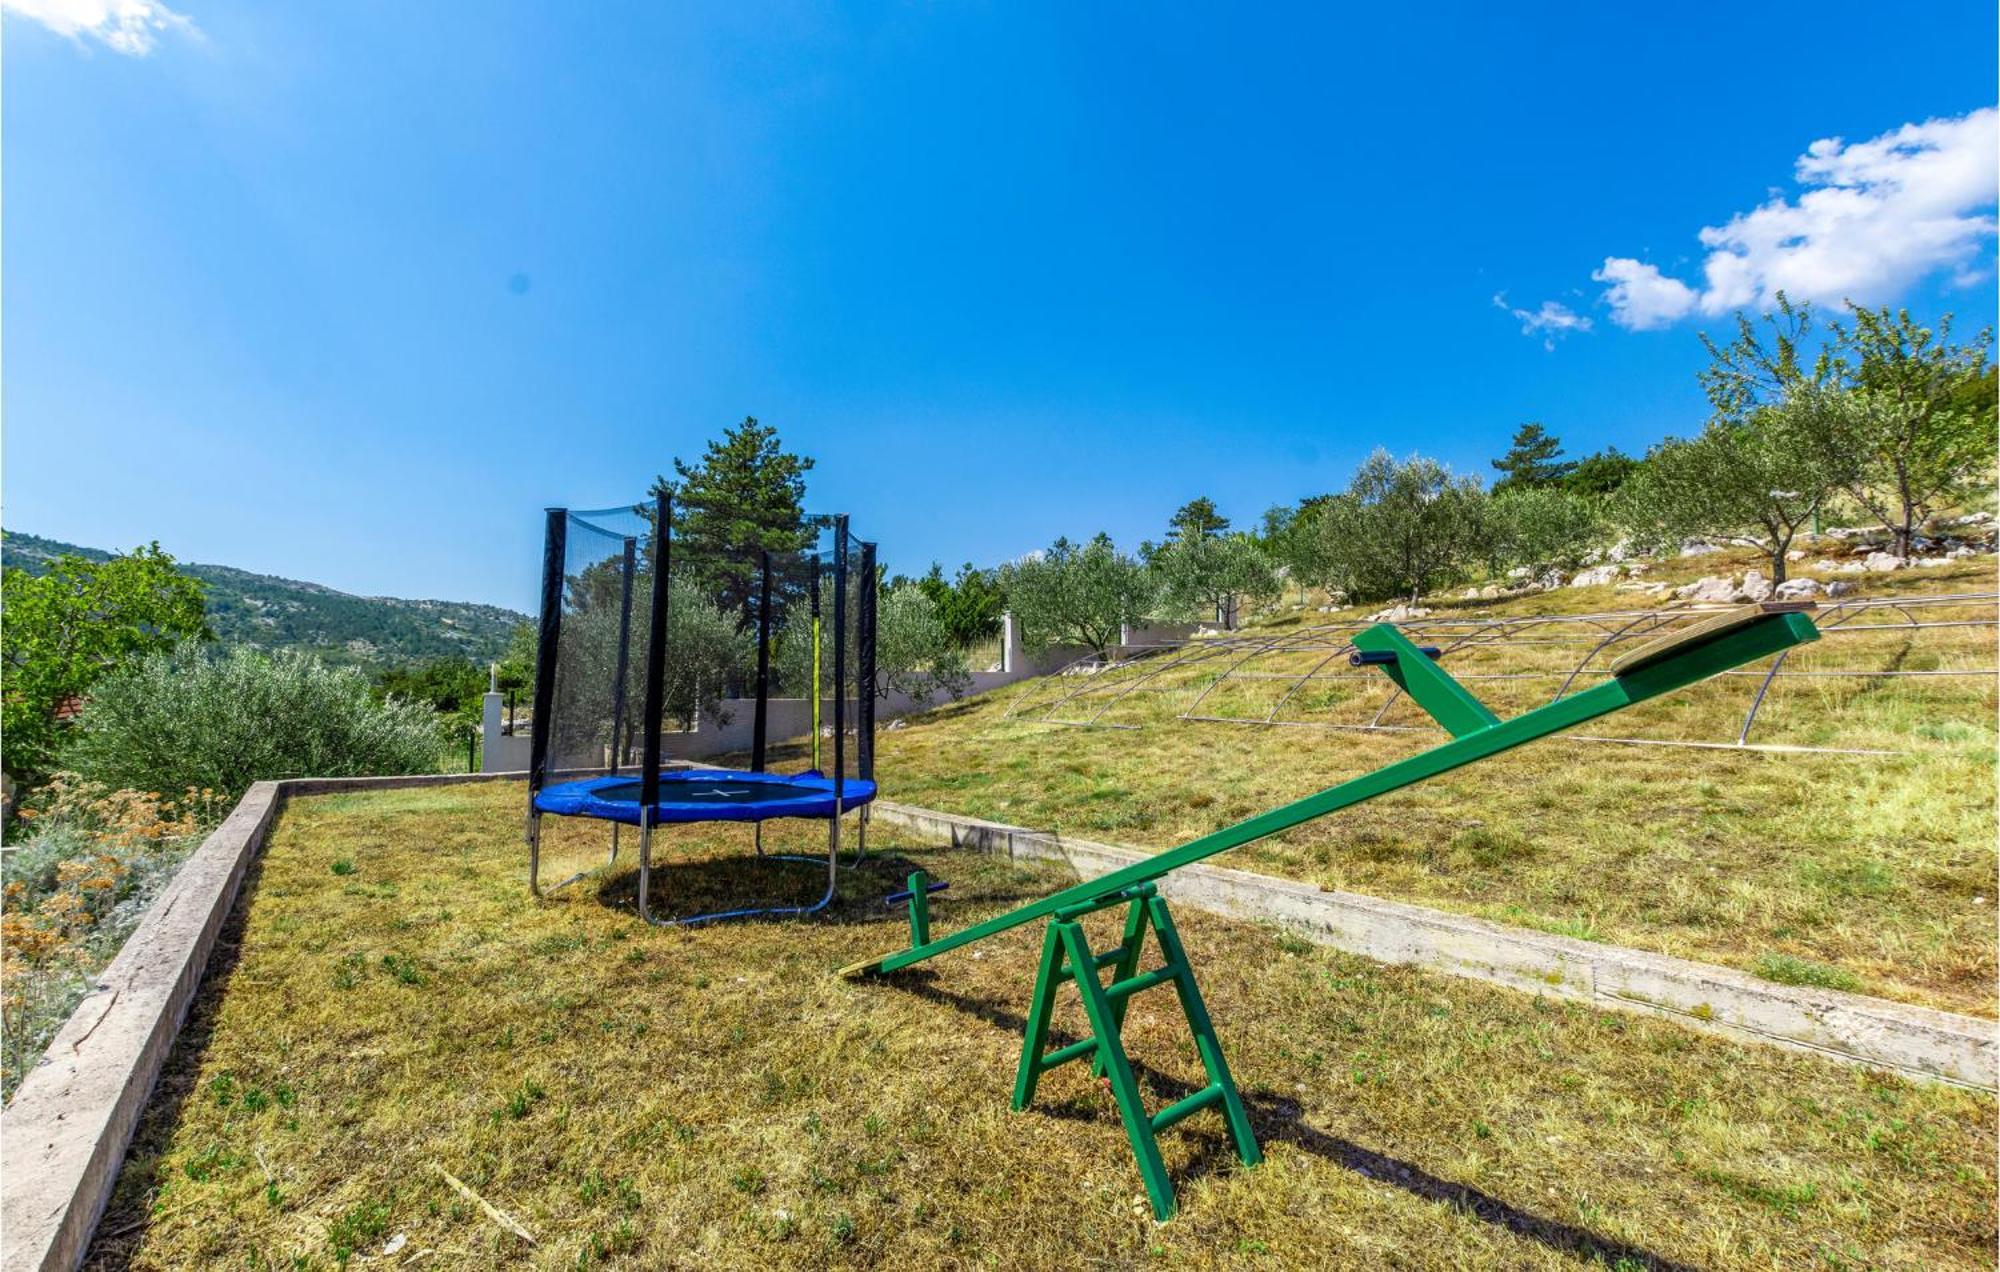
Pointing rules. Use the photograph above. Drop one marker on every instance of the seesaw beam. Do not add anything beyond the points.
(1672, 663)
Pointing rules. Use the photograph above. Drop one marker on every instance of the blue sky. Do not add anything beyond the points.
(349, 292)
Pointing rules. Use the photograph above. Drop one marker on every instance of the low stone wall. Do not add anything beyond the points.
(1916, 1041)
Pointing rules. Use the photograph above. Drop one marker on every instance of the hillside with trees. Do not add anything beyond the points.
(270, 613)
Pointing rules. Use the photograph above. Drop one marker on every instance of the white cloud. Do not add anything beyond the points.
(1640, 296)
(1875, 217)
(1551, 322)
(131, 27)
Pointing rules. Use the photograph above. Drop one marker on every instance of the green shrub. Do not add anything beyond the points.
(184, 718)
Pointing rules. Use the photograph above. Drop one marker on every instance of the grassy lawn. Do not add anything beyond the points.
(1873, 873)
(389, 999)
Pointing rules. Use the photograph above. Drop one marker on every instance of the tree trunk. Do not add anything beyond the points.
(1905, 533)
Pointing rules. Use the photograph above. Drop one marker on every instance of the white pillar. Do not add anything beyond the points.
(490, 711)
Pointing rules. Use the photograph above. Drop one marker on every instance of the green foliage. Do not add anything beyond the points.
(1533, 461)
(1204, 577)
(1196, 519)
(743, 499)
(1545, 528)
(1919, 419)
(915, 653)
(183, 718)
(1757, 481)
(1076, 594)
(1292, 538)
(969, 605)
(1402, 529)
(71, 625)
(517, 662)
(451, 686)
(1600, 473)
(1747, 375)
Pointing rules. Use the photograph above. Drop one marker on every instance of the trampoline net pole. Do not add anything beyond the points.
(865, 665)
(554, 545)
(759, 728)
(839, 658)
(624, 655)
(815, 662)
(656, 657)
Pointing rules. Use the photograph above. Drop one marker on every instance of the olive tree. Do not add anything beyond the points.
(1076, 593)
(1919, 420)
(1545, 528)
(1402, 528)
(1210, 576)
(1755, 483)
(915, 651)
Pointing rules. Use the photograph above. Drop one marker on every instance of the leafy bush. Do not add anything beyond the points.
(68, 627)
(183, 718)
(1544, 529)
(915, 651)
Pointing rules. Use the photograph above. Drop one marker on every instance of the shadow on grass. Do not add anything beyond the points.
(1282, 1121)
(711, 884)
(131, 1211)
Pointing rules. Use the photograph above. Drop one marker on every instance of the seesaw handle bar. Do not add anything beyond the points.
(1690, 659)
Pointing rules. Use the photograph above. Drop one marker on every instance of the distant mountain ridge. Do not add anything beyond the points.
(269, 612)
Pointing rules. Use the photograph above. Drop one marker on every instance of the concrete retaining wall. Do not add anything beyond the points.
(1916, 1041)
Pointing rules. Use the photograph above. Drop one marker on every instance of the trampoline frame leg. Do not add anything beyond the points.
(535, 851)
(646, 868)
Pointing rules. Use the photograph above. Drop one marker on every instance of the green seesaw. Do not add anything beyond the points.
(1711, 645)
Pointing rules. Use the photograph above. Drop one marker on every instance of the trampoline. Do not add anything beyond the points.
(652, 641)
(705, 795)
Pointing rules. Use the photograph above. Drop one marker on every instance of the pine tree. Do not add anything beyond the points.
(745, 497)
(1532, 462)
(1196, 519)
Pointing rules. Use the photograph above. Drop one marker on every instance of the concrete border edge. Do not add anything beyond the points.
(1919, 1042)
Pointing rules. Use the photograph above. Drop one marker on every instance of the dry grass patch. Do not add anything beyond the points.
(716, 1098)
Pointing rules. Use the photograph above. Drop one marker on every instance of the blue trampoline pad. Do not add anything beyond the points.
(702, 795)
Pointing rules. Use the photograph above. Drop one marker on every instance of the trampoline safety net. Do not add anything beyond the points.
(770, 639)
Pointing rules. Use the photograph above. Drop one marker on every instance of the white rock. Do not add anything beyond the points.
(1840, 587)
(1754, 587)
(1399, 614)
(1596, 576)
(1959, 554)
(1930, 562)
(1796, 554)
(1882, 562)
(1697, 547)
(1714, 587)
(1799, 589)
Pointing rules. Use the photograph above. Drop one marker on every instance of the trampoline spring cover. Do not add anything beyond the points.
(703, 795)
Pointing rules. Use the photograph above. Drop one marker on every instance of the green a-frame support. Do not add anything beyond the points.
(1067, 956)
